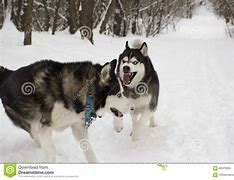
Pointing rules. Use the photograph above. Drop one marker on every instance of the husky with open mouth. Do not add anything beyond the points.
(47, 96)
(141, 86)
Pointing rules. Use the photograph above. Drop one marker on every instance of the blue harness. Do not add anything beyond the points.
(90, 114)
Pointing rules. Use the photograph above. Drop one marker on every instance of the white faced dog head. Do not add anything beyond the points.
(113, 99)
(131, 65)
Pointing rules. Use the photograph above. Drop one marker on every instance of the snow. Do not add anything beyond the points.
(204, 25)
(196, 105)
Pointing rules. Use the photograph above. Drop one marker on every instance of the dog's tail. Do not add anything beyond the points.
(4, 74)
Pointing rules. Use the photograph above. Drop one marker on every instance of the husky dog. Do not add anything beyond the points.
(141, 86)
(47, 96)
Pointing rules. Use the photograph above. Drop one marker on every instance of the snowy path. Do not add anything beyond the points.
(196, 108)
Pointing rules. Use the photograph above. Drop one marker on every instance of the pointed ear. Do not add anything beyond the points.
(126, 45)
(105, 72)
(113, 64)
(113, 68)
(144, 49)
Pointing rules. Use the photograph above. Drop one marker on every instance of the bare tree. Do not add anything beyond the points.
(112, 17)
(28, 6)
(109, 12)
(225, 8)
(2, 13)
(54, 27)
(135, 14)
(47, 24)
(86, 17)
(72, 20)
(17, 14)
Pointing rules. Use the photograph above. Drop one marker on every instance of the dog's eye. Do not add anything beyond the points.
(119, 95)
(124, 61)
(135, 62)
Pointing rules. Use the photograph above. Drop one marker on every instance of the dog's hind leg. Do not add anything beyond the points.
(118, 124)
(35, 133)
(152, 121)
(46, 142)
(80, 133)
(37, 141)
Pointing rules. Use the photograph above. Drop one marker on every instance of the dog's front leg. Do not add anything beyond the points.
(138, 125)
(134, 121)
(118, 124)
(152, 121)
(80, 133)
(47, 144)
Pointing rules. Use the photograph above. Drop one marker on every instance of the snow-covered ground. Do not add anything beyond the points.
(196, 107)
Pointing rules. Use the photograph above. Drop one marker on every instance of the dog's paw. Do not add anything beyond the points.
(135, 136)
(50, 159)
(118, 129)
(37, 142)
(152, 124)
(118, 125)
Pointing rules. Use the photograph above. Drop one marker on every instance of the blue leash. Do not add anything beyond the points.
(90, 114)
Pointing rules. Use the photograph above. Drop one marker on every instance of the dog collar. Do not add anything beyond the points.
(90, 114)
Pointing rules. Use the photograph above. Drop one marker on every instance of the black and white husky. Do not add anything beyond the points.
(47, 96)
(141, 86)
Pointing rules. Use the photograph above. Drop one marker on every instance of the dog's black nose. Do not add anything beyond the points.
(126, 69)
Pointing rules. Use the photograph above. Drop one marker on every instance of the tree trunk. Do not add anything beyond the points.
(55, 17)
(86, 19)
(118, 16)
(78, 4)
(125, 7)
(135, 15)
(189, 9)
(2, 14)
(72, 20)
(16, 14)
(109, 12)
(159, 23)
(47, 24)
(28, 22)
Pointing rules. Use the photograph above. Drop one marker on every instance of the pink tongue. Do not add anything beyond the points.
(120, 114)
(126, 78)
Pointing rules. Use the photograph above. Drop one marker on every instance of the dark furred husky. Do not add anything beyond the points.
(141, 86)
(47, 96)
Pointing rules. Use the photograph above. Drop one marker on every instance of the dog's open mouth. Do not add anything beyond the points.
(116, 112)
(128, 77)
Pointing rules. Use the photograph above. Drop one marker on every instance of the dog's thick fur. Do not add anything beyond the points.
(47, 96)
(135, 69)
